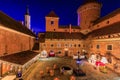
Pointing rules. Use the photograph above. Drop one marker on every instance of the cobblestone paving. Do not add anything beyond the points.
(91, 73)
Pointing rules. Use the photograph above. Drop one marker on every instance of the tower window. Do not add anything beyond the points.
(52, 22)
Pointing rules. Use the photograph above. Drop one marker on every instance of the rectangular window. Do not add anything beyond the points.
(52, 22)
(83, 45)
(109, 47)
(59, 52)
(59, 45)
(66, 45)
(79, 45)
(70, 45)
(91, 46)
(44, 45)
(51, 45)
(98, 46)
(74, 45)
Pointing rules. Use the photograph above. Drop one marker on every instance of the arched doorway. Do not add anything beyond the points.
(66, 52)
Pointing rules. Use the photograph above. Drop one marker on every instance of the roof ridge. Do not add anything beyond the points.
(11, 23)
(7, 15)
(113, 13)
(52, 14)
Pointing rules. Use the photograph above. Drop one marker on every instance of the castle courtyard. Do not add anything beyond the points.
(34, 71)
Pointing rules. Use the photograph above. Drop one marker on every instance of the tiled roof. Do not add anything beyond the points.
(41, 37)
(51, 14)
(19, 58)
(60, 35)
(8, 22)
(67, 26)
(117, 11)
(111, 29)
(63, 35)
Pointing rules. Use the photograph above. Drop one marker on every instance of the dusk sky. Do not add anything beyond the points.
(65, 9)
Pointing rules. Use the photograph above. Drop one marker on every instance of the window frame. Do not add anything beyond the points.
(97, 46)
(109, 46)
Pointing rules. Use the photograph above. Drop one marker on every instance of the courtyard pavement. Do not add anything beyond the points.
(33, 73)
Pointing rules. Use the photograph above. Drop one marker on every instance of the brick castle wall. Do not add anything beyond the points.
(11, 42)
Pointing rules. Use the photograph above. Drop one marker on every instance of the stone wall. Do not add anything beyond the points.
(85, 14)
(71, 46)
(13, 42)
(103, 46)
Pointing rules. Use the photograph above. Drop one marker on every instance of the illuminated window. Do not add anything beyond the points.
(109, 47)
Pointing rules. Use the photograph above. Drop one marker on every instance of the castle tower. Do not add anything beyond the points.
(88, 12)
(27, 18)
(52, 21)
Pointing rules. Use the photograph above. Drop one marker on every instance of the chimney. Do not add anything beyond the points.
(70, 30)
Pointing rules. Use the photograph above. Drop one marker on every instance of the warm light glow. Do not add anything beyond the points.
(66, 49)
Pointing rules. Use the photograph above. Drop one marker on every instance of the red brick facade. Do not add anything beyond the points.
(12, 42)
(101, 35)
(14, 38)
